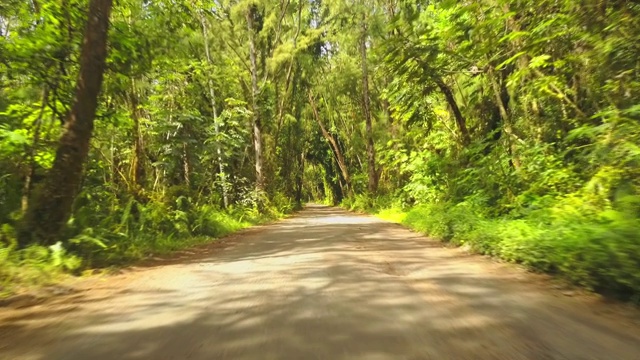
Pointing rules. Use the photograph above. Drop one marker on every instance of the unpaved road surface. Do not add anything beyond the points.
(324, 284)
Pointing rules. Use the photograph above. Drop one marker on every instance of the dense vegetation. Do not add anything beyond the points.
(510, 126)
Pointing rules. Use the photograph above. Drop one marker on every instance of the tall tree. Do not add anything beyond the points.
(216, 125)
(49, 211)
(252, 13)
(366, 106)
(339, 157)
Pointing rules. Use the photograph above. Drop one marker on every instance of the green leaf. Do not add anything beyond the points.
(510, 60)
(539, 61)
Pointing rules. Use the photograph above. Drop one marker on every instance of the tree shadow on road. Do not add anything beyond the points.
(329, 285)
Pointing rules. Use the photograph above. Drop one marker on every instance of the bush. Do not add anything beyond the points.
(105, 231)
(599, 250)
(367, 203)
(393, 214)
(215, 223)
(34, 265)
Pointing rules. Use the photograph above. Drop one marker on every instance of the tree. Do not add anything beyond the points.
(366, 107)
(48, 213)
(212, 96)
(493, 109)
(252, 13)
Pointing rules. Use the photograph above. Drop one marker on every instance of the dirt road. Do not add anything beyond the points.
(325, 284)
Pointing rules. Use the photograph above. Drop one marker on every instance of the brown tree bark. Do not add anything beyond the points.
(300, 178)
(502, 100)
(457, 114)
(50, 209)
(186, 166)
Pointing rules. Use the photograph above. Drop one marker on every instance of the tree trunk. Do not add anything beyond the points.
(216, 126)
(288, 78)
(366, 103)
(333, 143)
(138, 173)
(502, 100)
(257, 128)
(300, 178)
(457, 114)
(51, 207)
(186, 167)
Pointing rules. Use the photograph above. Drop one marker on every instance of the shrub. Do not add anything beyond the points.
(599, 250)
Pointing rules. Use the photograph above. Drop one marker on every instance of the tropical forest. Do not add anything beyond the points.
(510, 128)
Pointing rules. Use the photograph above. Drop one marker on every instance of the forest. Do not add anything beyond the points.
(511, 127)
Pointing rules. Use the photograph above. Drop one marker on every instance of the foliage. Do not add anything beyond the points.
(599, 251)
(509, 126)
(120, 238)
(34, 265)
(515, 133)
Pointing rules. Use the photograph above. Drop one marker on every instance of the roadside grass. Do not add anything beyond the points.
(393, 214)
(119, 239)
(596, 250)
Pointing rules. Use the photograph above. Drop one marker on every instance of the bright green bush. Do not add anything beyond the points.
(597, 250)
(394, 214)
(431, 219)
(106, 231)
(34, 265)
(371, 204)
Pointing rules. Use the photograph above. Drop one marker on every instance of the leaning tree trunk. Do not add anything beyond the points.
(457, 114)
(51, 207)
(366, 103)
(342, 164)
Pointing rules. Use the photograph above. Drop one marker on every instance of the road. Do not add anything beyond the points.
(324, 284)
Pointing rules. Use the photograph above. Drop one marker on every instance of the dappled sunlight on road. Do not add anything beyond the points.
(323, 285)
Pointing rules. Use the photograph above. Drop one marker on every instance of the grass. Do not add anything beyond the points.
(31, 267)
(597, 250)
(155, 230)
(394, 215)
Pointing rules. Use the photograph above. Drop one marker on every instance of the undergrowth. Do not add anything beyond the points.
(590, 247)
(123, 233)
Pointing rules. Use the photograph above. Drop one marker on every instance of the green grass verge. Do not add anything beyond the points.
(599, 251)
(154, 230)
